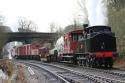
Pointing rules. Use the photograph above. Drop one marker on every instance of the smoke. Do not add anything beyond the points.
(91, 6)
(83, 13)
(60, 45)
(96, 11)
(102, 13)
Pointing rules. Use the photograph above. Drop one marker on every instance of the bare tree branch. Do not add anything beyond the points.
(117, 4)
(52, 27)
(2, 19)
(25, 25)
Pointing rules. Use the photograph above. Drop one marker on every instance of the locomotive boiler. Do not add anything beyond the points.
(93, 46)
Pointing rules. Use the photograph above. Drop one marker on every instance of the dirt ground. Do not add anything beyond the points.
(119, 63)
(24, 76)
(21, 76)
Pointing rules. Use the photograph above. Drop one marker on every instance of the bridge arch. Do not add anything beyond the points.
(27, 37)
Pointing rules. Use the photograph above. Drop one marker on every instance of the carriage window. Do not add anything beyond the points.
(80, 37)
(75, 37)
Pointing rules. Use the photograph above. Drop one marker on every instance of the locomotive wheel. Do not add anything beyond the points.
(84, 62)
(92, 62)
(39, 59)
(79, 63)
(97, 63)
(106, 65)
(88, 63)
(100, 63)
(110, 63)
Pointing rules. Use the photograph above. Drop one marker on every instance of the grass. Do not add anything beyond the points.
(21, 76)
(120, 62)
(7, 66)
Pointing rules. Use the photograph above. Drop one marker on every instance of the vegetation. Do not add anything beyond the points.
(116, 4)
(7, 66)
(3, 36)
(25, 25)
(56, 28)
(117, 22)
(2, 19)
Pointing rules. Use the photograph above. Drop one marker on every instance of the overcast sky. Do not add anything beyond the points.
(42, 12)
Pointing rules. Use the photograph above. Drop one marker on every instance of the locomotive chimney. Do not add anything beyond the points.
(85, 26)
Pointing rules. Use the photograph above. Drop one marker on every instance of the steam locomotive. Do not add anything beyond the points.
(93, 46)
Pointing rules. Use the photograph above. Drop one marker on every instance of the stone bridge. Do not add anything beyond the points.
(7, 36)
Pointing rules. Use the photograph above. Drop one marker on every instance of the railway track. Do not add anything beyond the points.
(91, 75)
(109, 71)
(56, 78)
(65, 75)
(114, 72)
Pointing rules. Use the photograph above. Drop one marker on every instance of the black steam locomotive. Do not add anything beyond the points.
(99, 47)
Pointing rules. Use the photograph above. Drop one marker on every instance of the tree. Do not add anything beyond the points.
(53, 27)
(60, 31)
(25, 25)
(2, 19)
(56, 28)
(116, 10)
(116, 4)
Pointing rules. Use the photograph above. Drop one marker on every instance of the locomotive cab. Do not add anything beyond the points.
(71, 45)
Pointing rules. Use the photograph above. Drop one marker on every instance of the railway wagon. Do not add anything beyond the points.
(93, 46)
(28, 51)
(43, 52)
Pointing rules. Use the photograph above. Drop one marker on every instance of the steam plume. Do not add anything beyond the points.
(83, 13)
(102, 13)
(96, 11)
(91, 6)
